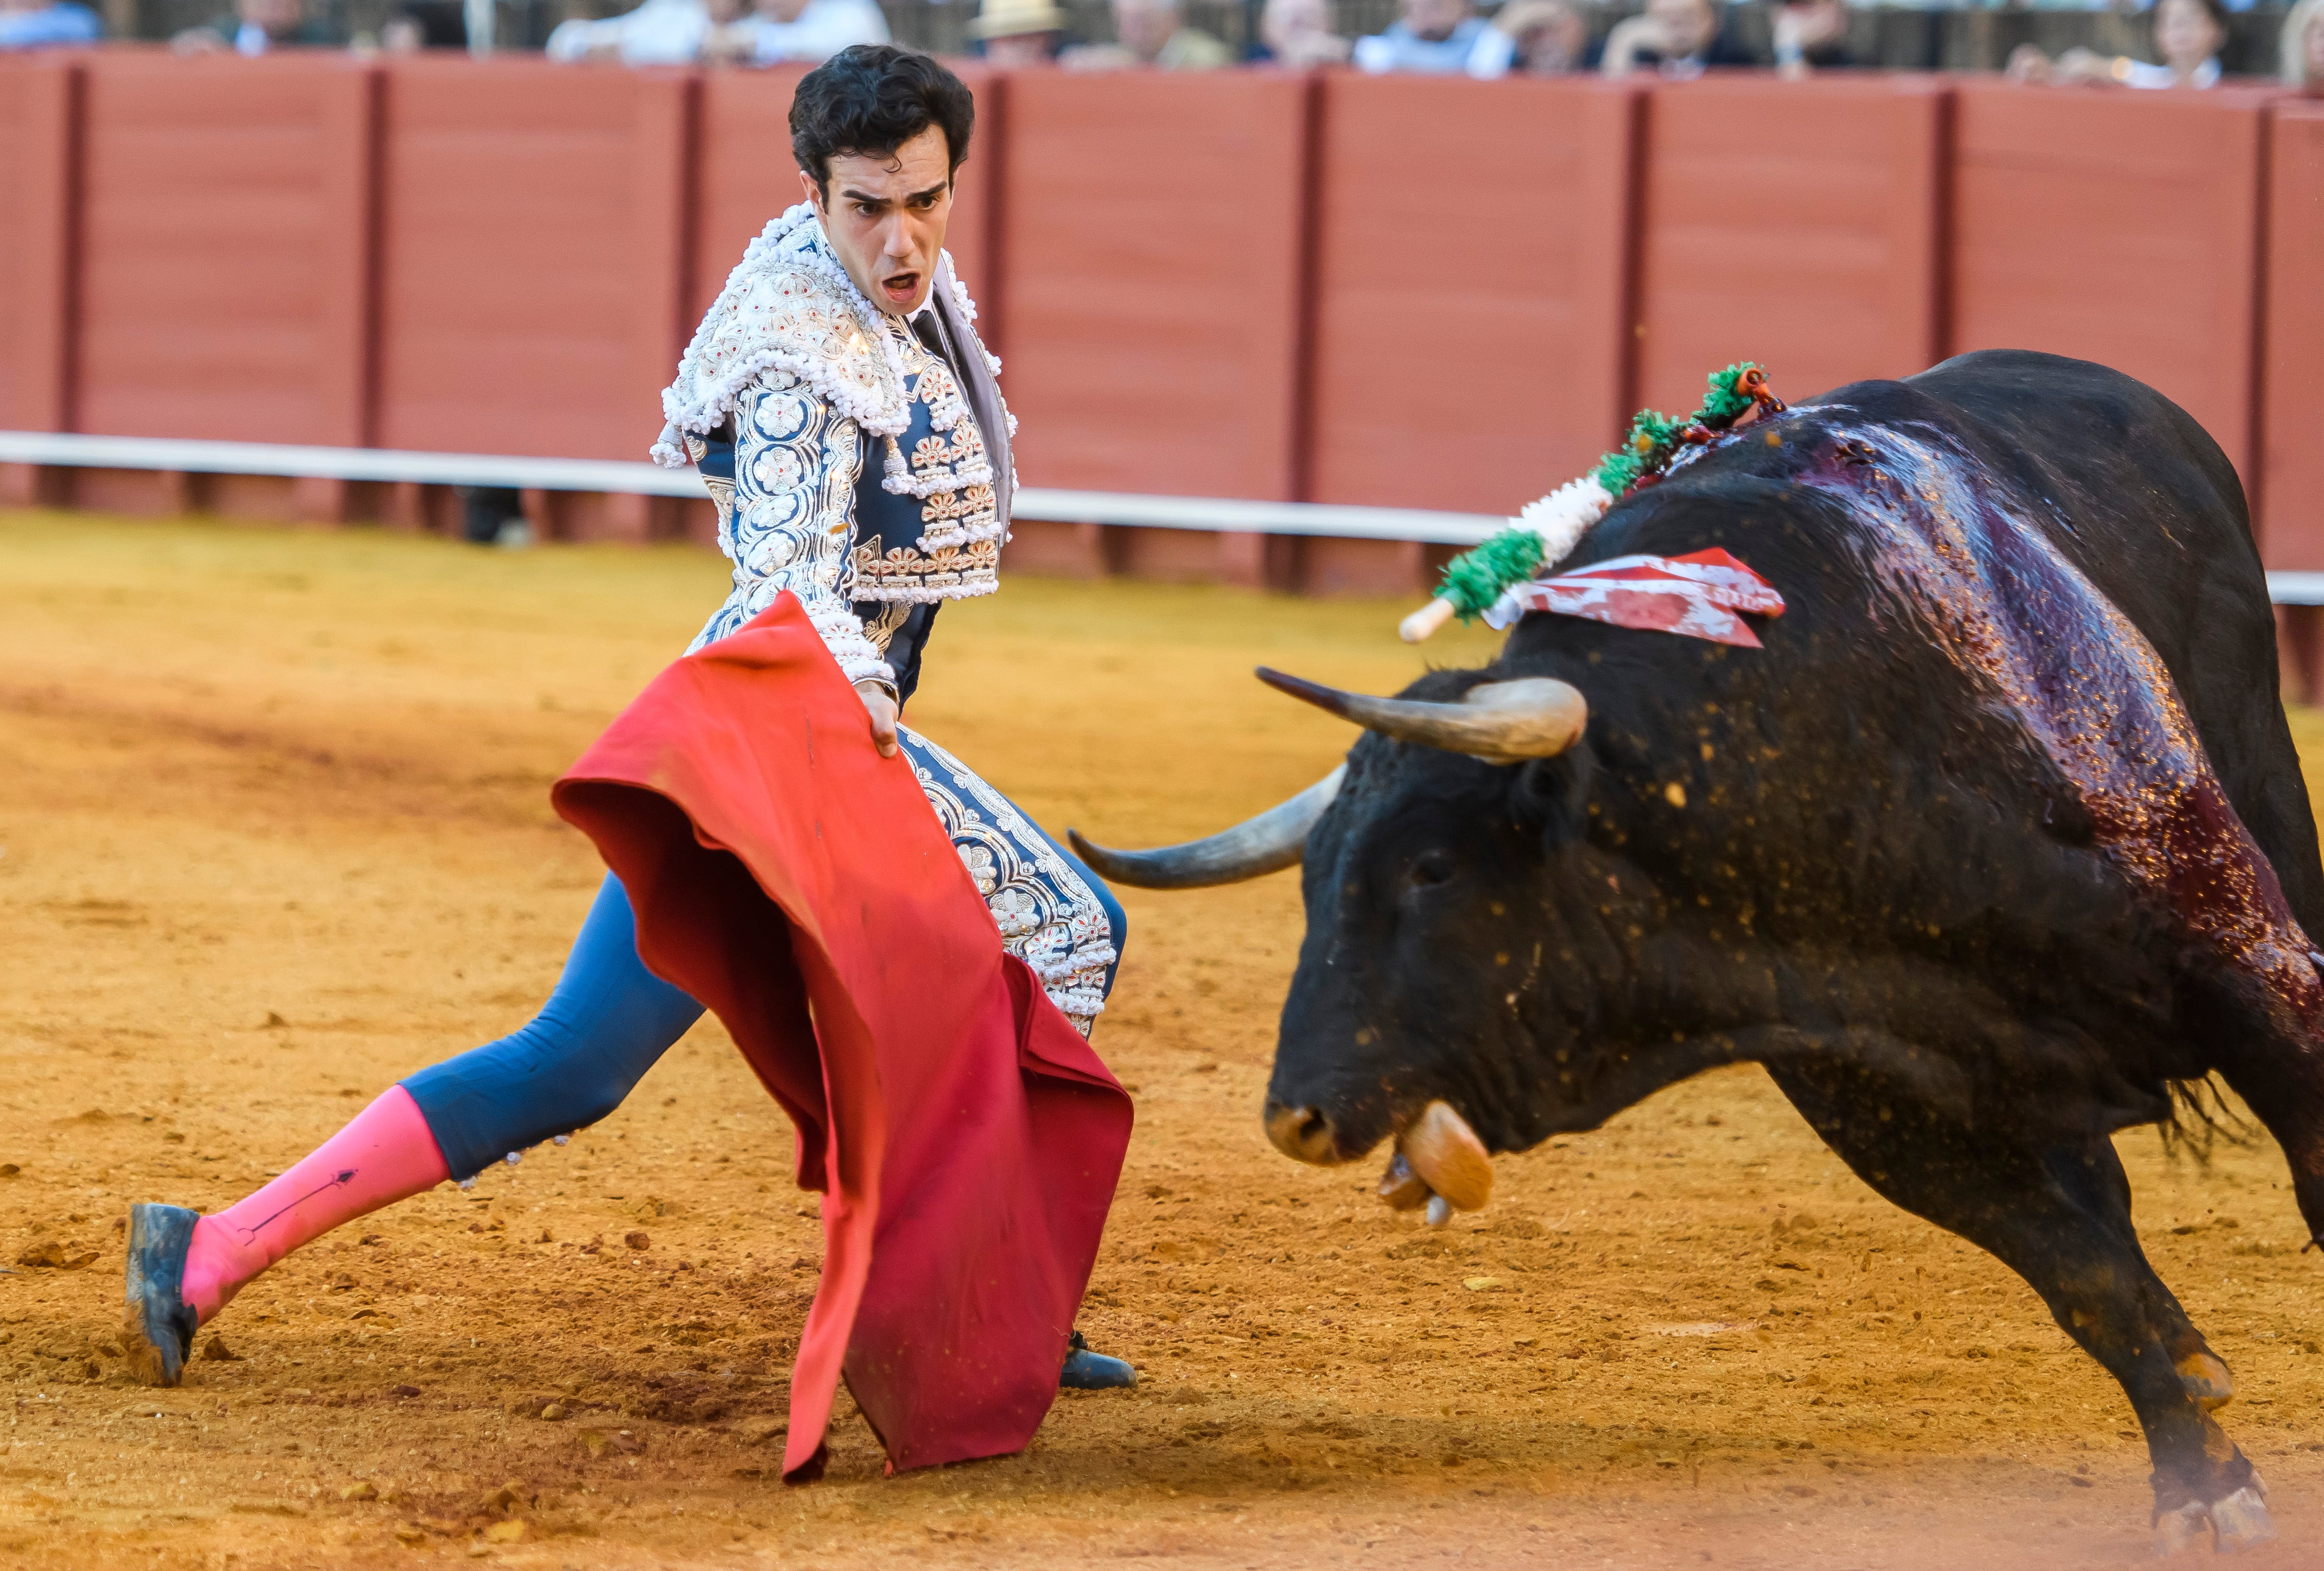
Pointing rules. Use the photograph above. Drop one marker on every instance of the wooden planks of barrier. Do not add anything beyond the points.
(1150, 254)
(1244, 284)
(1468, 355)
(226, 240)
(40, 124)
(2121, 227)
(533, 267)
(1797, 226)
(40, 191)
(2291, 468)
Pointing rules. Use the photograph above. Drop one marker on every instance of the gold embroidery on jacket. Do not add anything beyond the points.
(950, 473)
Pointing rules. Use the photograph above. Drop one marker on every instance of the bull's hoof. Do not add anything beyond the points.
(2241, 1520)
(2206, 1380)
(2236, 1521)
(157, 1323)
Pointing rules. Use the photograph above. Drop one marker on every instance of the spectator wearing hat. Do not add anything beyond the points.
(1676, 39)
(1016, 33)
(1534, 37)
(1298, 34)
(32, 24)
(2302, 62)
(1150, 34)
(1435, 36)
(259, 27)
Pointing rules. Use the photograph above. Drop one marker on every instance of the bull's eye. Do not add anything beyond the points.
(1430, 868)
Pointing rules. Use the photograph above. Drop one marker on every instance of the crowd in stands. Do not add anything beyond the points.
(1674, 39)
(47, 25)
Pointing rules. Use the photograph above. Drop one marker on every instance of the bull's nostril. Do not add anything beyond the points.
(1302, 1133)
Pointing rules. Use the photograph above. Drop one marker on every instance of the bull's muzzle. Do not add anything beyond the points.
(1303, 1134)
(1439, 1160)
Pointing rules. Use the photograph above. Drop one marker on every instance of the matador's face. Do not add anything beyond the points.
(885, 217)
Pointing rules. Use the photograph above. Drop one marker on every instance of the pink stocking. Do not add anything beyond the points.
(385, 1154)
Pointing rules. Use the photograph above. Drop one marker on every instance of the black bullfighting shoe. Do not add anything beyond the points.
(1092, 1371)
(158, 1325)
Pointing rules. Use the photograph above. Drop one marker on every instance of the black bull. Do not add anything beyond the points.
(2000, 841)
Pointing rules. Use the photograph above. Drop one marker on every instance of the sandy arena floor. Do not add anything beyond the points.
(274, 830)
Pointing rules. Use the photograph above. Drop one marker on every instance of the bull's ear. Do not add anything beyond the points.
(1551, 796)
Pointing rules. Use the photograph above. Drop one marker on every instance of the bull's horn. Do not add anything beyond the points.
(1273, 840)
(1499, 722)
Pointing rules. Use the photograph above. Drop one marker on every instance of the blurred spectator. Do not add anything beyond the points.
(1299, 34)
(258, 26)
(2187, 35)
(1018, 33)
(2303, 47)
(1432, 35)
(418, 24)
(32, 24)
(813, 31)
(1150, 33)
(1534, 37)
(1810, 35)
(731, 37)
(1677, 38)
(659, 33)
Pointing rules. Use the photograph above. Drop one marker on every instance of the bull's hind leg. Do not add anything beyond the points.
(2060, 1219)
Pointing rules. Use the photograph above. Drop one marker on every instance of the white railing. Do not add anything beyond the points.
(1222, 515)
(382, 463)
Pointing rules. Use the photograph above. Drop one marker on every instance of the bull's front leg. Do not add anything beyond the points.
(2060, 1219)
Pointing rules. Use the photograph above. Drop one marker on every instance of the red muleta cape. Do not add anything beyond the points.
(967, 1139)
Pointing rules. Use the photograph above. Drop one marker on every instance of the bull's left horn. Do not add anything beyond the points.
(1274, 840)
(1499, 722)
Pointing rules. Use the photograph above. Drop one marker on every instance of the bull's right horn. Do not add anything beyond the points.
(1505, 722)
(1275, 839)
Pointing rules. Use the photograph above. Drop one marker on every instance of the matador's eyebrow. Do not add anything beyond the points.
(871, 199)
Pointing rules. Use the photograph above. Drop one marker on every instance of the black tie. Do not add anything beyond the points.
(924, 329)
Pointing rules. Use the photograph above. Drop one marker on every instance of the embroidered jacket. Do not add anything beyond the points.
(849, 463)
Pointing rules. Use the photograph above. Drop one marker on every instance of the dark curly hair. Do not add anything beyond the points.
(871, 100)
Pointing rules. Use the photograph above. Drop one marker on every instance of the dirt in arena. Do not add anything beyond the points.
(274, 830)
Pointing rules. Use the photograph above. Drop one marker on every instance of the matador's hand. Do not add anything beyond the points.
(882, 710)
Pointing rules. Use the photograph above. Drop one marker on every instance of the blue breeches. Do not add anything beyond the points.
(607, 1022)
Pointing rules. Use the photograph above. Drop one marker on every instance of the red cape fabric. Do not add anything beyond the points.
(965, 1138)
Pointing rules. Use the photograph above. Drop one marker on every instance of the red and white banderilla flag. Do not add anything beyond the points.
(1697, 595)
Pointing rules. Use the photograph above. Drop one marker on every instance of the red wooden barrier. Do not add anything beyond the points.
(2291, 485)
(227, 247)
(2121, 227)
(1278, 299)
(39, 127)
(1793, 224)
(533, 267)
(1151, 254)
(1468, 350)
